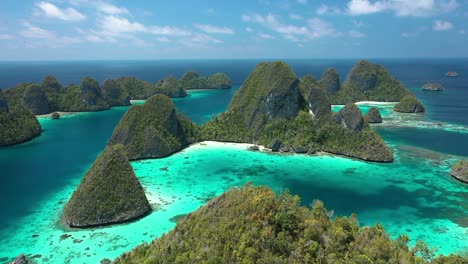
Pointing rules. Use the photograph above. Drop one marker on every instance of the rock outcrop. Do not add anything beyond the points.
(21, 259)
(18, 125)
(369, 81)
(433, 87)
(84, 98)
(373, 116)
(154, 129)
(115, 93)
(330, 82)
(219, 81)
(55, 115)
(271, 92)
(137, 89)
(109, 193)
(91, 93)
(350, 117)
(170, 87)
(319, 105)
(460, 171)
(306, 84)
(36, 100)
(50, 82)
(409, 104)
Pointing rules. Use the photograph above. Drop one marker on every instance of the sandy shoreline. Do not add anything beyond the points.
(60, 113)
(372, 103)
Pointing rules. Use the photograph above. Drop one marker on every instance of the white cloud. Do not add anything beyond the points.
(52, 11)
(363, 7)
(111, 9)
(328, 10)
(113, 25)
(6, 36)
(163, 39)
(295, 17)
(357, 34)
(43, 37)
(266, 36)
(207, 28)
(249, 29)
(314, 28)
(168, 31)
(401, 7)
(440, 25)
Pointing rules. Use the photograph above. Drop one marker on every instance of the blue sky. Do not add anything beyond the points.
(178, 29)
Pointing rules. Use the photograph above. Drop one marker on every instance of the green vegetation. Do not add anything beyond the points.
(170, 87)
(84, 98)
(115, 93)
(109, 193)
(254, 225)
(268, 108)
(368, 81)
(154, 129)
(35, 100)
(17, 124)
(409, 104)
(137, 89)
(330, 82)
(219, 81)
(191, 80)
(306, 83)
(373, 116)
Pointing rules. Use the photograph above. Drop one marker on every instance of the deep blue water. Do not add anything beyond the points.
(33, 171)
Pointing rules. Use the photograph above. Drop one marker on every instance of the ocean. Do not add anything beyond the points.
(413, 196)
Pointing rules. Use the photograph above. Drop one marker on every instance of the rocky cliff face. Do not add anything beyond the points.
(271, 92)
(171, 87)
(460, 171)
(109, 193)
(319, 105)
(90, 91)
(36, 100)
(153, 130)
(115, 93)
(369, 81)
(50, 82)
(373, 116)
(409, 104)
(330, 82)
(350, 117)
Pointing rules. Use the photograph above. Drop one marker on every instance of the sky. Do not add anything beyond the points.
(239, 29)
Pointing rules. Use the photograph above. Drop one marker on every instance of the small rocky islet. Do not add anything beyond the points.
(433, 87)
(460, 171)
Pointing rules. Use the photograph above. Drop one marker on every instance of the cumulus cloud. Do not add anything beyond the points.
(207, 28)
(314, 28)
(266, 36)
(43, 37)
(52, 11)
(401, 7)
(115, 24)
(440, 25)
(111, 9)
(328, 10)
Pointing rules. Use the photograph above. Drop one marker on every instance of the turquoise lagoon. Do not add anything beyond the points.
(413, 196)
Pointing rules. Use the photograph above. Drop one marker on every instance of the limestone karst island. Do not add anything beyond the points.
(234, 132)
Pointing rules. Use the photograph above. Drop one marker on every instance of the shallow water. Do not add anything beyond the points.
(420, 200)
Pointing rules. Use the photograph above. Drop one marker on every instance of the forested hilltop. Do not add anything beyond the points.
(254, 225)
(50, 96)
